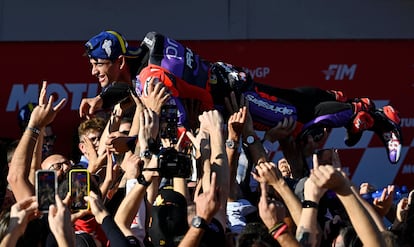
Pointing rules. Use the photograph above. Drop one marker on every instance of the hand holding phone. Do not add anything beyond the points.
(329, 156)
(46, 187)
(79, 186)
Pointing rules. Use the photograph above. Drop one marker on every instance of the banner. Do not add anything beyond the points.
(382, 70)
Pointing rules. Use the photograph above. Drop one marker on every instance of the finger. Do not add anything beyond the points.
(212, 185)
(191, 137)
(315, 162)
(67, 199)
(109, 158)
(285, 123)
(42, 96)
(180, 140)
(151, 85)
(411, 198)
(60, 105)
(58, 201)
(26, 202)
(263, 192)
(383, 194)
(32, 207)
(336, 162)
(52, 212)
(255, 176)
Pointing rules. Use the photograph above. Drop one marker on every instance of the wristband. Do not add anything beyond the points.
(34, 130)
(276, 227)
(141, 180)
(282, 229)
(309, 204)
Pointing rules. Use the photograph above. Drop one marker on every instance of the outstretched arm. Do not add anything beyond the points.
(18, 176)
(331, 178)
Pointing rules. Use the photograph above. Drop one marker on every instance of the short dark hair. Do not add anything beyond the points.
(255, 233)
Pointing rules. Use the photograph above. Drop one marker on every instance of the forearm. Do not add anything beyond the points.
(10, 239)
(307, 232)
(290, 199)
(18, 176)
(37, 158)
(220, 166)
(255, 150)
(287, 240)
(128, 208)
(233, 159)
(362, 222)
(65, 240)
(371, 211)
(180, 186)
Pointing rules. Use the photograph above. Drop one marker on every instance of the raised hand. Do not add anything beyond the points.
(267, 172)
(59, 219)
(45, 112)
(157, 95)
(271, 212)
(208, 202)
(89, 106)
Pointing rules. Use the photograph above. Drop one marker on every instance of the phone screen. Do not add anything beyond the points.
(168, 122)
(325, 156)
(79, 188)
(46, 186)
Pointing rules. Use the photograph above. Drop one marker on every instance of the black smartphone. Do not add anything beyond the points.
(46, 188)
(79, 186)
(325, 156)
(168, 122)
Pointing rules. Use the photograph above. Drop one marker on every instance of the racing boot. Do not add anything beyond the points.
(362, 120)
(387, 127)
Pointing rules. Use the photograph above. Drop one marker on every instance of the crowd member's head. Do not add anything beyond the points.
(108, 52)
(58, 163)
(284, 168)
(91, 129)
(347, 237)
(255, 234)
(169, 218)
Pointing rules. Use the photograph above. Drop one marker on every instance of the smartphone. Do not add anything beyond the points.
(325, 156)
(79, 186)
(46, 188)
(168, 122)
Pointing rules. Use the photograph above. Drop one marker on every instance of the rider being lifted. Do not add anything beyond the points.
(187, 75)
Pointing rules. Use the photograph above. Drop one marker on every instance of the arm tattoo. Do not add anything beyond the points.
(303, 237)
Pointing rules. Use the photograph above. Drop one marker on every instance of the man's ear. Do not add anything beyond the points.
(122, 61)
(82, 147)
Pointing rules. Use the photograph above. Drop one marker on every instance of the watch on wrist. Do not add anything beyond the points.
(199, 222)
(309, 204)
(141, 180)
(231, 144)
(147, 154)
(251, 139)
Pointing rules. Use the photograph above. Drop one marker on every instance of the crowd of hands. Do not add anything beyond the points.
(206, 132)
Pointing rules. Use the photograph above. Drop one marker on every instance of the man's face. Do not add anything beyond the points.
(57, 162)
(284, 168)
(94, 136)
(105, 70)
